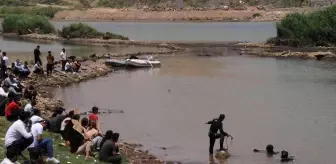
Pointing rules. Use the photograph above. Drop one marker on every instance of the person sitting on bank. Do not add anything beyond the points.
(38, 68)
(64, 128)
(16, 67)
(40, 143)
(56, 121)
(94, 135)
(76, 66)
(13, 110)
(85, 123)
(3, 100)
(109, 152)
(36, 116)
(30, 93)
(17, 138)
(269, 150)
(68, 67)
(25, 70)
(11, 81)
(11, 158)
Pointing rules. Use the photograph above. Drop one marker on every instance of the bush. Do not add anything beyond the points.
(48, 12)
(23, 24)
(312, 29)
(81, 30)
(255, 15)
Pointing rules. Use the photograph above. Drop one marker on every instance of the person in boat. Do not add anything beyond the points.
(215, 126)
(42, 143)
(50, 63)
(17, 138)
(109, 152)
(133, 57)
(285, 157)
(13, 110)
(269, 150)
(38, 68)
(25, 70)
(30, 93)
(68, 67)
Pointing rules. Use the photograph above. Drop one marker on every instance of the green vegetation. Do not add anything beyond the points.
(114, 3)
(25, 24)
(48, 12)
(307, 29)
(81, 30)
(62, 153)
(29, 2)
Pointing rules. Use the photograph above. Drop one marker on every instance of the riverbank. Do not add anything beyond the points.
(202, 14)
(269, 50)
(91, 69)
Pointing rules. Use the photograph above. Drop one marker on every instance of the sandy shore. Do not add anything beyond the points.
(110, 14)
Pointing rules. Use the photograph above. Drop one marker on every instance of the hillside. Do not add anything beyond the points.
(168, 3)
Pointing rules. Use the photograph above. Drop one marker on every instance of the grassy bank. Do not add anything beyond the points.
(47, 12)
(62, 153)
(307, 29)
(81, 30)
(24, 24)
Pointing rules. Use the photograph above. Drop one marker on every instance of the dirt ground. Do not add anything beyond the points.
(110, 14)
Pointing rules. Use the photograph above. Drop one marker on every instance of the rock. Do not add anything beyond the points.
(260, 7)
(224, 7)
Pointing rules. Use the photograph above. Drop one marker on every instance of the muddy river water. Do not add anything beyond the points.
(289, 103)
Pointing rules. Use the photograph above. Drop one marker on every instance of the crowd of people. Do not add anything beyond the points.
(18, 105)
(19, 69)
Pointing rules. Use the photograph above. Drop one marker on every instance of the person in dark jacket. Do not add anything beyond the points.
(37, 54)
(215, 126)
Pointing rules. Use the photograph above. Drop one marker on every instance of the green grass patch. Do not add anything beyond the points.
(81, 30)
(23, 24)
(61, 153)
(48, 12)
(307, 29)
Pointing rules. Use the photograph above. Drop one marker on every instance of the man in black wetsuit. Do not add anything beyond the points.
(37, 55)
(217, 125)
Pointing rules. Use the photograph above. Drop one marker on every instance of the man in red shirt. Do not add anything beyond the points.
(93, 116)
(13, 110)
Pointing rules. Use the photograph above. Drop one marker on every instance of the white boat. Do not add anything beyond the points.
(115, 63)
(141, 63)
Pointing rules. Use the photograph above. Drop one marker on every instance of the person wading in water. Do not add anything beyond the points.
(215, 126)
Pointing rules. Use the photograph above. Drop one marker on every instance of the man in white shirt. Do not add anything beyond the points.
(40, 143)
(63, 58)
(36, 116)
(17, 138)
(5, 58)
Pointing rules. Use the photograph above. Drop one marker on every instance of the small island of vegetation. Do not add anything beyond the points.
(307, 29)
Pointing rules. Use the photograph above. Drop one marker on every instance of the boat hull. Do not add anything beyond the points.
(115, 63)
(138, 63)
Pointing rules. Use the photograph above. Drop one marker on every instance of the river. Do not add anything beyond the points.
(288, 103)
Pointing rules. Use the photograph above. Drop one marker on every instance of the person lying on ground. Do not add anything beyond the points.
(40, 143)
(38, 68)
(285, 157)
(68, 67)
(109, 152)
(25, 70)
(13, 110)
(17, 138)
(11, 158)
(30, 93)
(269, 150)
(215, 126)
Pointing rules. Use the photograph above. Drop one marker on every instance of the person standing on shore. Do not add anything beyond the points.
(4, 65)
(50, 63)
(37, 54)
(63, 58)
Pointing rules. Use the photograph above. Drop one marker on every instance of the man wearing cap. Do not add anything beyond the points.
(37, 54)
(40, 143)
(63, 58)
